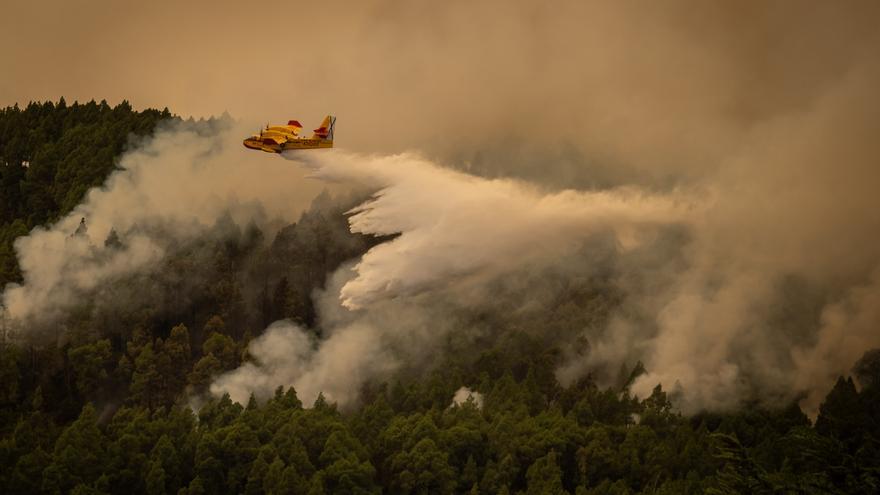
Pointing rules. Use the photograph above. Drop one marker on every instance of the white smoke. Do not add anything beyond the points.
(698, 314)
(695, 314)
(848, 328)
(772, 109)
(287, 355)
(459, 228)
(353, 350)
(464, 394)
(170, 189)
(457, 234)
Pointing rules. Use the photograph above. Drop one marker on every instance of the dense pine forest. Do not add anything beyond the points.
(51, 154)
(118, 402)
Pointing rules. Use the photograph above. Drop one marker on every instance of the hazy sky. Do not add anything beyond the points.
(676, 82)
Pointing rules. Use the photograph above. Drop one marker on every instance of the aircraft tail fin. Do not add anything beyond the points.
(325, 130)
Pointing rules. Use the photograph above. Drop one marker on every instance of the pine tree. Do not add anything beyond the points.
(146, 381)
(544, 476)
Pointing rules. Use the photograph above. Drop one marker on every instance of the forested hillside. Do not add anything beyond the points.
(119, 402)
(51, 154)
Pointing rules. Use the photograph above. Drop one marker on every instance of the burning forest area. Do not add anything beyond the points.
(605, 248)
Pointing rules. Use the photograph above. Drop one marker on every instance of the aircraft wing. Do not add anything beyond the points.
(273, 140)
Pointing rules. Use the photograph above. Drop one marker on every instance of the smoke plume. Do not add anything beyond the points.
(169, 189)
(458, 234)
(711, 321)
(465, 394)
(714, 164)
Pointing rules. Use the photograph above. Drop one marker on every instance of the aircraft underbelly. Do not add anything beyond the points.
(305, 144)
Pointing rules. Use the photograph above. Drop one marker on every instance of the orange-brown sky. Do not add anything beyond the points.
(675, 82)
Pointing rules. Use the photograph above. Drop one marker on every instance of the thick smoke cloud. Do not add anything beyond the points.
(285, 355)
(356, 347)
(169, 190)
(456, 226)
(763, 113)
(712, 329)
(644, 91)
(459, 234)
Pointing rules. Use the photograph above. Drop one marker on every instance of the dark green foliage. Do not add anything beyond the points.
(545, 477)
(841, 416)
(79, 456)
(51, 154)
(279, 447)
(89, 363)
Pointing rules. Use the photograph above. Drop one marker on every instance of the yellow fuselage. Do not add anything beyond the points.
(297, 143)
(278, 138)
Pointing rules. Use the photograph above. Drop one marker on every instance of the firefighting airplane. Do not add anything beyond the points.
(278, 138)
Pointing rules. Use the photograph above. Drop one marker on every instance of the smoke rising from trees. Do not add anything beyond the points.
(169, 190)
(714, 165)
(711, 321)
